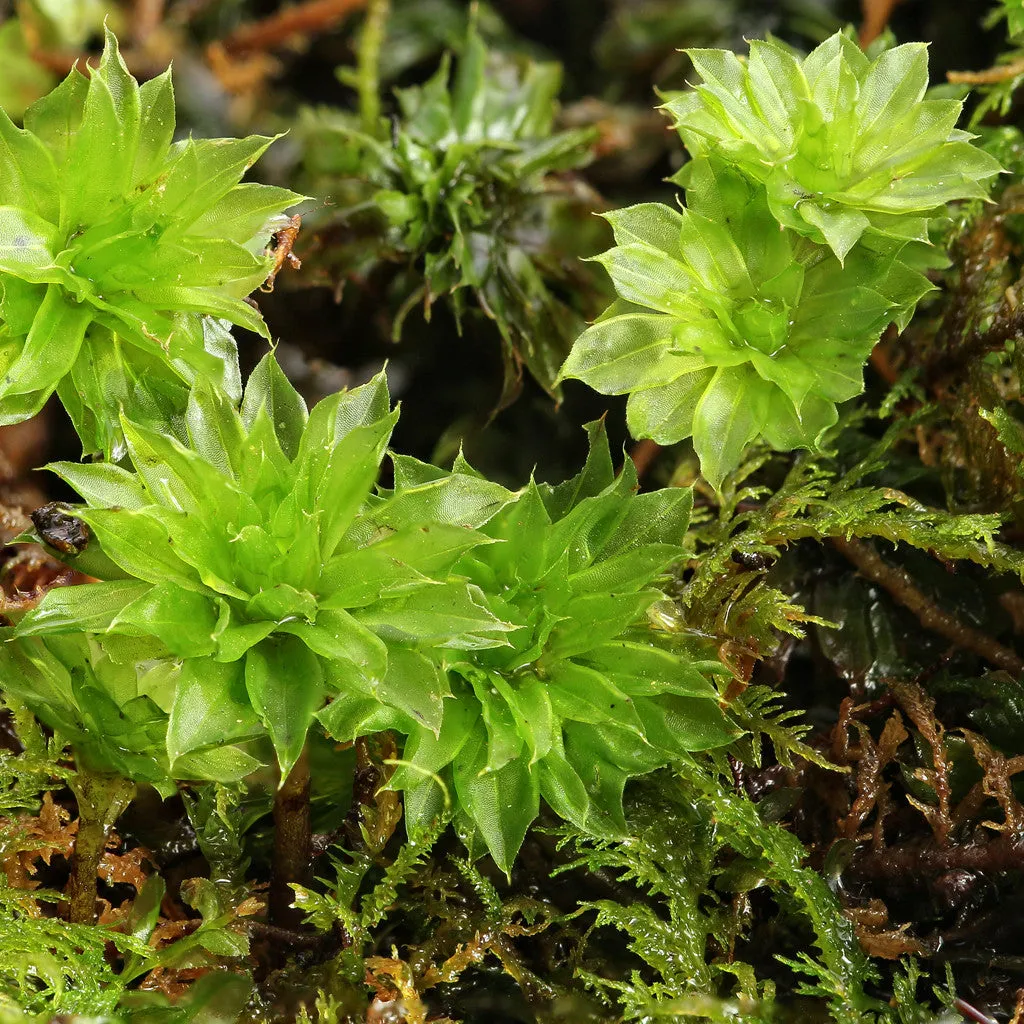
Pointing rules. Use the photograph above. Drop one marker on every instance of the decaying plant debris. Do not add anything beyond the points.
(839, 837)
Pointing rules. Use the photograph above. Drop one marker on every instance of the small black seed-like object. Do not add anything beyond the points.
(60, 530)
(751, 559)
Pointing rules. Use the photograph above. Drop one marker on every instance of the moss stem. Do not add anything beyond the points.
(293, 843)
(371, 40)
(101, 801)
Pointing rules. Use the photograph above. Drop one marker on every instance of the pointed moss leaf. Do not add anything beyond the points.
(216, 764)
(500, 803)
(234, 640)
(91, 606)
(597, 474)
(211, 707)
(593, 618)
(641, 669)
(27, 171)
(729, 415)
(603, 780)
(177, 477)
(282, 601)
(27, 245)
(425, 804)
(451, 499)
(615, 354)
(51, 346)
(626, 570)
(285, 683)
(102, 484)
(655, 517)
(414, 684)
(270, 388)
(151, 235)
(685, 723)
(214, 427)
(350, 715)
(581, 694)
(360, 576)
(339, 636)
(444, 613)
(521, 527)
(182, 620)
(347, 479)
(564, 792)
(535, 715)
(427, 753)
(504, 735)
(363, 406)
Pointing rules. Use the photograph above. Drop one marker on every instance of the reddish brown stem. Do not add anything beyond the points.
(298, 20)
(900, 585)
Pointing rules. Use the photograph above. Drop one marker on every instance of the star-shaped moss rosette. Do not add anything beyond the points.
(844, 144)
(464, 191)
(581, 694)
(122, 254)
(256, 554)
(728, 329)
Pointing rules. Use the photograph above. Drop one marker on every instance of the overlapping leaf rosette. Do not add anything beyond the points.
(464, 189)
(845, 145)
(113, 715)
(123, 256)
(728, 328)
(250, 552)
(809, 195)
(580, 694)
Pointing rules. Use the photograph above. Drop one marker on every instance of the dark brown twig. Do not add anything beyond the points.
(930, 861)
(901, 587)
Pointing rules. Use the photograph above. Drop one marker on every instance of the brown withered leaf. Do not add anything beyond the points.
(919, 707)
(25, 578)
(871, 923)
(37, 839)
(174, 982)
(124, 868)
(395, 986)
(996, 783)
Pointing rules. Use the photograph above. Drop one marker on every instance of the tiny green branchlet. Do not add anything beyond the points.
(123, 255)
(251, 551)
(844, 144)
(1013, 11)
(580, 693)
